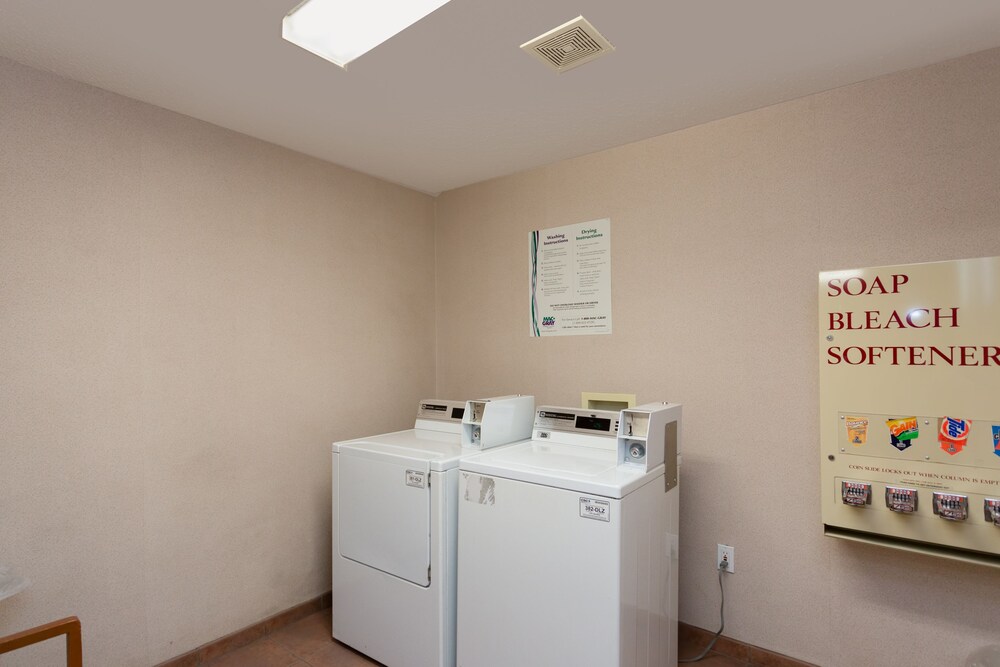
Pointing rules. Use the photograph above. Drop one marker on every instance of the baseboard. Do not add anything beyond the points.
(213, 649)
(694, 640)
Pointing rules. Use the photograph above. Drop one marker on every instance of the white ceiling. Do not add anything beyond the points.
(452, 100)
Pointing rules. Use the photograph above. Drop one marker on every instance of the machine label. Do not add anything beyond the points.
(591, 508)
(857, 430)
(953, 434)
(902, 432)
(416, 478)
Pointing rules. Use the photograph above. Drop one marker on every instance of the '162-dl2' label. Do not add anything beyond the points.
(592, 508)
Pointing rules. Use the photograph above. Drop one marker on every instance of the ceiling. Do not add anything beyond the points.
(452, 100)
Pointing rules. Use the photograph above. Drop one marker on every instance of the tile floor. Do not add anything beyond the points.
(307, 643)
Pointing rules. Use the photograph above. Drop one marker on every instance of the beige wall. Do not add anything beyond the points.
(718, 233)
(189, 318)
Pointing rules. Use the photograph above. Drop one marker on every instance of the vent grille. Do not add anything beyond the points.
(570, 45)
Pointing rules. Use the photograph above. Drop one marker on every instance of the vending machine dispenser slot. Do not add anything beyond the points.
(991, 507)
(856, 494)
(900, 499)
(951, 506)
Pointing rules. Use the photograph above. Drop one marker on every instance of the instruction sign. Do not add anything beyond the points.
(570, 279)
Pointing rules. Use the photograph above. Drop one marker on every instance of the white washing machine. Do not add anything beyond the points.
(567, 544)
(395, 517)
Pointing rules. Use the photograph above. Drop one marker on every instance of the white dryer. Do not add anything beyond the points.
(395, 517)
(567, 543)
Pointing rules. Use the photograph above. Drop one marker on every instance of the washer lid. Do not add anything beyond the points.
(441, 451)
(585, 469)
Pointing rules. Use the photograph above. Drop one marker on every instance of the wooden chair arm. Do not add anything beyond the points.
(67, 626)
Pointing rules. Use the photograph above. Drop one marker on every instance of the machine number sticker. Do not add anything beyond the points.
(416, 478)
(591, 508)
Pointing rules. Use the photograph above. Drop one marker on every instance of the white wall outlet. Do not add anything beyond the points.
(726, 559)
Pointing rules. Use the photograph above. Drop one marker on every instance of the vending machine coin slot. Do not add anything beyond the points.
(900, 499)
(992, 509)
(856, 494)
(951, 506)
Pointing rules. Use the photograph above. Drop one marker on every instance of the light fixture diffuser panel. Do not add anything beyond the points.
(570, 45)
(342, 30)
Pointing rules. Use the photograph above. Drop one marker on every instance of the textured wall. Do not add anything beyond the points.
(189, 318)
(718, 233)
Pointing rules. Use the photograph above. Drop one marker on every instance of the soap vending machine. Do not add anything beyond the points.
(909, 407)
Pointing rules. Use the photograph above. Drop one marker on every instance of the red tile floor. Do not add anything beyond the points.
(307, 643)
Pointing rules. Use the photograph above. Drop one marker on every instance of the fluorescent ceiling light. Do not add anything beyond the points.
(342, 30)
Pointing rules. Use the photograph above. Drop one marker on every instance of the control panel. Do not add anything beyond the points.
(585, 421)
(447, 411)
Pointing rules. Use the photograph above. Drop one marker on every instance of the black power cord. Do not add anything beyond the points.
(722, 619)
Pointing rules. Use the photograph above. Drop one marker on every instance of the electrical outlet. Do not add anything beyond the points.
(727, 555)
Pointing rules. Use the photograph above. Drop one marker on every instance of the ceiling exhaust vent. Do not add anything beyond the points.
(570, 45)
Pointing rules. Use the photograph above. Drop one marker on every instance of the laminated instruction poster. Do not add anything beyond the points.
(571, 279)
